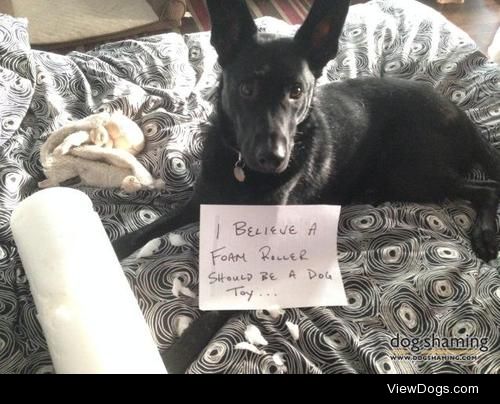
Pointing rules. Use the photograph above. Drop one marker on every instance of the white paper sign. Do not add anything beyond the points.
(260, 257)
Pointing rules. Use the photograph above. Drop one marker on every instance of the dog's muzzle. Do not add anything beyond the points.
(272, 157)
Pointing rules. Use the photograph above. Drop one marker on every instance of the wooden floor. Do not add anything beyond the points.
(479, 18)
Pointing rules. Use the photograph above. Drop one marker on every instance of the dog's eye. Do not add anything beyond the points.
(296, 91)
(247, 89)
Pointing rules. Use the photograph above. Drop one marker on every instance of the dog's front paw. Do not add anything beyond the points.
(124, 246)
(484, 242)
(194, 340)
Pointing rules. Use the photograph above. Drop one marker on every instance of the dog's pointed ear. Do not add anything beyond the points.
(319, 36)
(232, 26)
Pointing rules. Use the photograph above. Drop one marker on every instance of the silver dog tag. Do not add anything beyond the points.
(238, 171)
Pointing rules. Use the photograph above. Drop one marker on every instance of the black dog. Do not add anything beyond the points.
(277, 139)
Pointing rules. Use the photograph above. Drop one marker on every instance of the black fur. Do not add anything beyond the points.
(363, 140)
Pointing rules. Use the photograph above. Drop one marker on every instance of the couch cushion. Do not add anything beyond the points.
(58, 21)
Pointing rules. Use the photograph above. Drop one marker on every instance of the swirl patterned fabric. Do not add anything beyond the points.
(408, 269)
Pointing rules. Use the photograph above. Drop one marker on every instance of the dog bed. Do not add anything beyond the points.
(409, 270)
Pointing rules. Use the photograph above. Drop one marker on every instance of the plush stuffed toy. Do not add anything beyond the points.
(98, 151)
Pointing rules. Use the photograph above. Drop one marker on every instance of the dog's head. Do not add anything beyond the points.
(268, 83)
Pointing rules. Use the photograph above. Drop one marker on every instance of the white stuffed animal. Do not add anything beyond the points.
(105, 130)
(98, 150)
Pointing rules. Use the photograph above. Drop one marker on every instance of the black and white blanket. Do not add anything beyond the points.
(409, 270)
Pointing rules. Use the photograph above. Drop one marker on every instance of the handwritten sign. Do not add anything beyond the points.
(260, 257)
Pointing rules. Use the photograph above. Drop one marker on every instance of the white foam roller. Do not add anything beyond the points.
(87, 310)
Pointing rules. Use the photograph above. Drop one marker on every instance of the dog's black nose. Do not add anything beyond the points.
(271, 158)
